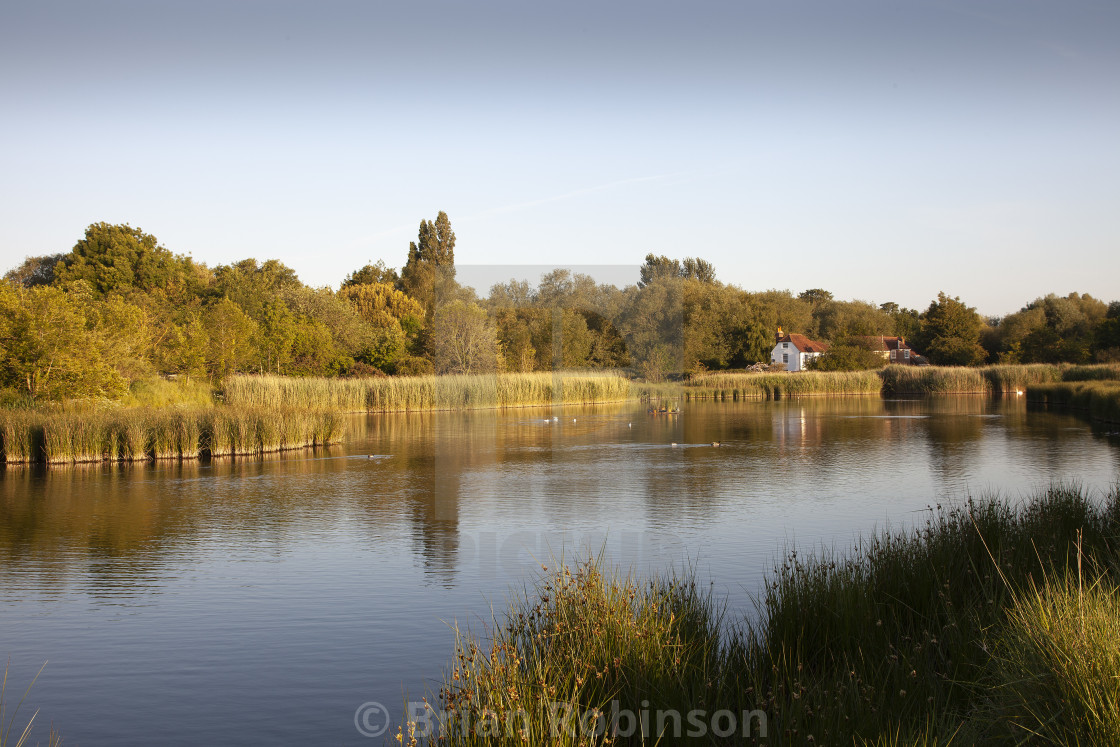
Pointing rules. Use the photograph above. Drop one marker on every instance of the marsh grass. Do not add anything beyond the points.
(420, 393)
(930, 635)
(583, 639)
(909, 380)
(75, 436)
(777, 385)
(1055, 667)
(1098, 399)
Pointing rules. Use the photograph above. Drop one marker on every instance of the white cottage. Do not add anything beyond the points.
(795, 351)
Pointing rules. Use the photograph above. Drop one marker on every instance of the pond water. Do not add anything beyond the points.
(264, 600)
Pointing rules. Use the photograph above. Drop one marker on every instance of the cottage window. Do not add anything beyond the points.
(785, 344)
(785, 357)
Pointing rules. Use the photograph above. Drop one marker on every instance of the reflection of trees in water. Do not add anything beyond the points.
(954, 429)
(117, 523)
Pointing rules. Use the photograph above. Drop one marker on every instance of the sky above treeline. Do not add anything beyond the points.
(882, 150)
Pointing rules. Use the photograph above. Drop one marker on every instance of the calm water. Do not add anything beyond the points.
(257, 602)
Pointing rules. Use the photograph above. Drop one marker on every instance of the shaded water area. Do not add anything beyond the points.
(264, 600)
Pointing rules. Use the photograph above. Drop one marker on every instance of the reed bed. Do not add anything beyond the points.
(1099, 372)
(989, 623)
(425, 393)
(904, 380)
(141, 434)
(1099, 399)
(778, 385)
(1016, 378)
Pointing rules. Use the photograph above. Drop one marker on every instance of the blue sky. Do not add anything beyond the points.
(881, 150)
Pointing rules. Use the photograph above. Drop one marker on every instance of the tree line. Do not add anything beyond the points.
(120, 307)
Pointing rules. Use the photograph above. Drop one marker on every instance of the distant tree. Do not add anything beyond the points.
(694, 268)
(1106, 335)
(815, 295)
(836, 320)
(950, 334)
(372, 273)
(847, 355)
(654, 327)
(1051, 329)
(660, 267)
(515, 293)
(35, 271)
(380, 304)
(463, 340)
(431, 262)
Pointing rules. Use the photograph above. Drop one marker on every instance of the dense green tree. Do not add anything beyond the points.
(1052, 329)
(835, 320)
(120, 258)
(431, 263)
(653, 324)
(50, 348)
(1106, 335)
(815, 295)
(848, 354)
(950, 334)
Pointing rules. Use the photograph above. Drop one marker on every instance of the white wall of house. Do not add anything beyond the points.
(788, 355)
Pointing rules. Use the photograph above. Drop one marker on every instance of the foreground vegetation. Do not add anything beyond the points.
(411, 393)
(992, 623)
(8, 719)
(89, 435)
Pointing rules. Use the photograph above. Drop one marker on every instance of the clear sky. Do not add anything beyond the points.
(881, 150)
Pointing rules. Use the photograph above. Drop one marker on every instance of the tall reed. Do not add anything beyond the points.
(1099, 399)
(933, 380)
(778, 385)
(19, 432)
(75, 436)
(411, 393)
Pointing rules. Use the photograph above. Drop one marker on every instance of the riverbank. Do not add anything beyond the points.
(991, 623)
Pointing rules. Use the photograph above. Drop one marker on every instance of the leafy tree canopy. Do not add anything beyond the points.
(121, 258)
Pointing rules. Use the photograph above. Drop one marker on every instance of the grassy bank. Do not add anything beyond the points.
(991, 623)
(1099, 399)
(88, 435)
(413, 393)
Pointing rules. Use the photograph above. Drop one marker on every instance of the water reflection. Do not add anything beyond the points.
(606, 468)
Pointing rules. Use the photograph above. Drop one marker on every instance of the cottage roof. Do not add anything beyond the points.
(804, 344)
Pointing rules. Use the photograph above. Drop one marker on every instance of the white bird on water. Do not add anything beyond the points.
(573, 420)
(629, 425)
